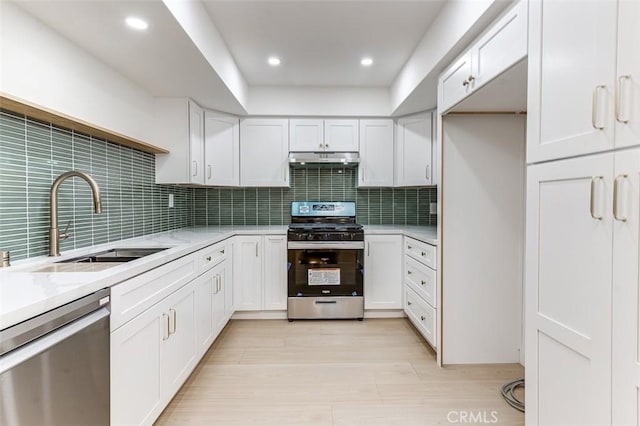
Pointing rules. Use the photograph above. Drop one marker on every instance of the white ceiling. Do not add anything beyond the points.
(321, 43)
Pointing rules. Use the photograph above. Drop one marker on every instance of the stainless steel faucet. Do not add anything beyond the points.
(54, 233)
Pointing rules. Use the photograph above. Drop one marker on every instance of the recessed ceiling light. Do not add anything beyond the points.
(274, 61)
(366, 62)
(136, 23)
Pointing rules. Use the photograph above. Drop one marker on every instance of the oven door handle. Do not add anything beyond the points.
(324, 245)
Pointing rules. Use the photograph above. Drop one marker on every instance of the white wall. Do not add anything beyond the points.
(194, 19)
(335, 101)
(456, 25)
(482, 242)
(43, 68)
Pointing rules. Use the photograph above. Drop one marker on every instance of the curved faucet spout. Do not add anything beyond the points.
(54, 233)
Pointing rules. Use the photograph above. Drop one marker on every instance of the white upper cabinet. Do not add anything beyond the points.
(179, 127)
(221, 150)
(264, 151)
(501, 46)
(376, 153)
(572, 78)
(628, 96)
(306, 135)
(414, 150)
(316, 134)
(341, 135)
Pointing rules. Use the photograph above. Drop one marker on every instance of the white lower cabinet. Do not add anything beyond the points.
(420, 288)
(204, 287)
(383, 272)
(151, 356)
(260, 272)
(154, 351)
(275, 272)
(247, 272)
(569, 255)
(421, 314)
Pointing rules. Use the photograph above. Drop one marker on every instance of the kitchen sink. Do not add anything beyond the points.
(115, 255)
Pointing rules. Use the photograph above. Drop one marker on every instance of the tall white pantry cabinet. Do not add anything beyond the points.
(583, 214)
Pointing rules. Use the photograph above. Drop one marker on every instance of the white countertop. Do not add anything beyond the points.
(25, 293)
(427, 234)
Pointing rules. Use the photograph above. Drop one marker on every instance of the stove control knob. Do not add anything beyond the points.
(309, 237)
(325, 236)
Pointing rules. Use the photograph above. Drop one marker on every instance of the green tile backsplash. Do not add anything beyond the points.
(271, 206)
(33, 154)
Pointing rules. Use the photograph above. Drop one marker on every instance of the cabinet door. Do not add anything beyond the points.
(341, 135)
(136, 397)
(628, 97)
(454, 83)
(376, 153)
(264, 152)
(219, 315)
(568, 292)
(626, 289)
(247, 273)
(204, 287)
(502, 46)
(571, 81)
(221, 150)
(413, 151)
(383, 272)
(196, 143)
(275, 272)
(306, 135)
(177, 356)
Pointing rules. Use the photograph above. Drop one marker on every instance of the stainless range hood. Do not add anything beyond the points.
(335, 159)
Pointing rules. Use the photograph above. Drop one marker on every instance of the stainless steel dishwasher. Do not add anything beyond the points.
(54, 368)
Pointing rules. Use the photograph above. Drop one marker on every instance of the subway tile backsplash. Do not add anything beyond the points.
(33, 154)
(271, 206)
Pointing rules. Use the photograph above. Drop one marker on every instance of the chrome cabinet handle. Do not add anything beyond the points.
(208, 258)
(368, 249)
(222, 251)
(471, 79)
(595, 103)
(423, 282)
(621, 80)
(422, 317)
(256, 249)
(195, 167)
(209, 171)
(465, 83)
(409, 247)
(423, 254)
(219, 283)
(165, 331)
(409, 272)
(594, 184)
(321, 145)
(426, 173)
(172, 321)
(408, 303)
(617, 198)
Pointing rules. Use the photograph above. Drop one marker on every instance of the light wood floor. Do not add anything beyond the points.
(374, 372)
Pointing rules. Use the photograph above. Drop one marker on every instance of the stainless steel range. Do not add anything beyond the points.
(325, 255)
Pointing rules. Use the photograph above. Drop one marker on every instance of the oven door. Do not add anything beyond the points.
(325, 268)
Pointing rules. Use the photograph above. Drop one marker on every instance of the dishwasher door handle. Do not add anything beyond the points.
(26, 352)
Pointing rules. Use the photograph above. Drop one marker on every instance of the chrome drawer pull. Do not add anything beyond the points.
(422, 317)
(423, 282)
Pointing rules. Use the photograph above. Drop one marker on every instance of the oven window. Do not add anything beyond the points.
(325, 272)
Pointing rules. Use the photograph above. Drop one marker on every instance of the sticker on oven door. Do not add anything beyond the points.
(324, 276)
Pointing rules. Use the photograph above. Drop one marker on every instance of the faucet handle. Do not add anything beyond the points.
(65, 234)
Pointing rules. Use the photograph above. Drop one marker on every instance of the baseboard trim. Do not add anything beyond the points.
(270, 315)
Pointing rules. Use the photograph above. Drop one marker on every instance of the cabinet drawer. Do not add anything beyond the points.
(423, 252)
(212, 255)
(421, 279)
(421, 315)
(136, 295)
